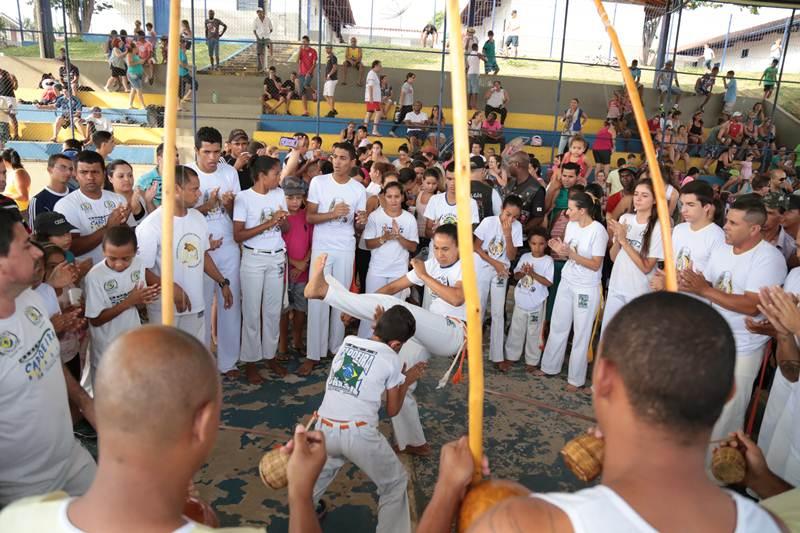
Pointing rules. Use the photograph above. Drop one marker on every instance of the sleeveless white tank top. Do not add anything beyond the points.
(600, 510)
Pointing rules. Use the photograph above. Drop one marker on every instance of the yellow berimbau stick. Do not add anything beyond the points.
(649, 150)
(168, 172)
(458, 86)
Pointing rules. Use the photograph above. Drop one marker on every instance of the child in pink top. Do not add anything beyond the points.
(298, 253)
(576, 154)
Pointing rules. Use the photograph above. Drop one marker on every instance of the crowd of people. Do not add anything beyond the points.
(348, 256)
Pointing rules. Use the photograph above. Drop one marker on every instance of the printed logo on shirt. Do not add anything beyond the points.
(38, 360)
(533, 317)
(583, 301)
(337, 200)
(110, 285)
(189, 250)
(526, 282)
(34, 315)
(266, 214)
(444, 281)
(8, 343)
(109, 204)
(136, 276)
(449, 218)
(684, 258)
(724, 282)
(86, 206)
(348, 378)
(497, 246)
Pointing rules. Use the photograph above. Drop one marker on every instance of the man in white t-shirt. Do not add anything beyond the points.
(191, 243)
(336, 206)
(441, 208)
(39, 452)
(735, 273)
(656, 426)
(416, 122)
(473, 75)
(497, 239)
(158, 402)
(219, 184)
(362, 371)
(372, 96)
(92, 209)
(773, 230)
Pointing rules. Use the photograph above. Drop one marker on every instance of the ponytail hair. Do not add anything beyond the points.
(647, 238)
(587, 201)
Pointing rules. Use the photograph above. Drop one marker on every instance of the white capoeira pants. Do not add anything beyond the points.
(372, 284)
(325, 329)
(614, 302)
(229, 321)
(492, 291)
(441, 336)
(192, 323)
(526, 332)
(406, 424)
(575, 308)
(369, 450)
(734, 412)
(262, 277)
(775, 435)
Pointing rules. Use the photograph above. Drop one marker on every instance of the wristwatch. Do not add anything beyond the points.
(224, 283)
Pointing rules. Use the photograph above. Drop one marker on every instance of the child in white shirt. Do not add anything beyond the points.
(114, 288)
(534, 274)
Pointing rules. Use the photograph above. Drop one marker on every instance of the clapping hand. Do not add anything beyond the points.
(143, 294)
(419, 267)
(781, 309)
(691, 281)
(341, 210)
(62, 275)
(560, 247)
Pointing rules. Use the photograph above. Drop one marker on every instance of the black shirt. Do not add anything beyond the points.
(332, 61)
(245, 180)
(482, 194)
(532, 195)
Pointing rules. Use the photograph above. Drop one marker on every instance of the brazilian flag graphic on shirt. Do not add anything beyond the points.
(355, 364)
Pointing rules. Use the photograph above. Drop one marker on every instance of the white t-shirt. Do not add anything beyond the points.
(89, 215)
(338, 234)
(731, 273)
(226, 179)
(36, 441)
(529, 294)
(106, 288)
(406, 94)
(447, 276)
(372, 88)
(390, 259)
(100, 124)
(490, 232)
(49, 298)
(413, 117)
(589, 242)
(626, 278)
(362, 370)
(695, 247)
(254, 209)
(373, 189)
(442, 212)
(473, 63)
(189, 244)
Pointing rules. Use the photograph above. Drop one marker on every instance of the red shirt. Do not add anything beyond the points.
(308, 58)
(298, 240)
(613, 201)
(145, 49)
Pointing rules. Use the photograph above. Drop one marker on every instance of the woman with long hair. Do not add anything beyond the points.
(135, 74)
(635, 250)
(580, 290)
(119, 179)
(497, 176)
(118, 66)
(18, 181)
(186, 30)
(436, 120)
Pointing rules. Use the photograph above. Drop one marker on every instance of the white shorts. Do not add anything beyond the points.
(329, 87)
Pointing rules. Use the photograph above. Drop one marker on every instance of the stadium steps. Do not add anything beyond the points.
(40, 151)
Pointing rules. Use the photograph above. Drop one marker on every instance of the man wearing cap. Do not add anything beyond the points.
(416, 122)
(735, 273)
(732, 132)
(239, 158)
(96, 122)
(60, 168)
(773, 232)
(262, 28)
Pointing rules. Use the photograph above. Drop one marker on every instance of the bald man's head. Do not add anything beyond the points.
(152, 386)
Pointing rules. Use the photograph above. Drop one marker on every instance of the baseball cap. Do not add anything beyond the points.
(775, 200)
(476, 162)
(292, 185)
(72, 154)
(736, 114)
(238, 134)
(629, 168)
(52, 223)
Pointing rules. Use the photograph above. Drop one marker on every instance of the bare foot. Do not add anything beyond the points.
(423, 450)
(538, 372)
(252, 375)
(233, 374)
(530, 369)
(307, 367)
(573, 388)
(317, 287)
(276, 367)
(500, 366)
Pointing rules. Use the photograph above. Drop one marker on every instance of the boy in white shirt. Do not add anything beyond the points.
(441, 208)
(534, 274)
(191, 243)
(734, 275)
(497, 239)
(362, 371)
(114, 288)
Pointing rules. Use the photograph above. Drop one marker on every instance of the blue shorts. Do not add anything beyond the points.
(305, 81)
(472, 84)
(512, 40)
(213, 47)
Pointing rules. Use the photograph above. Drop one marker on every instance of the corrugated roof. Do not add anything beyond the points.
(754, 33)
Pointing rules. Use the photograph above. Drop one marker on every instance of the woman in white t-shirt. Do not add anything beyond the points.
(636, 248)
(391, 235)
(119, 174)
(259, 218)
(578, 297)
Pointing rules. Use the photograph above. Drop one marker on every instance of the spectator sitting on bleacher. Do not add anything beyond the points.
(96, 122)
(145, 51)
(492, 131)
(436, 124)
(732, 131)
(66, 107)
(416, 123)
(353, 57)
(274, 91)
(704, 85)
(74, 74)
(8, 100)
(47, 84)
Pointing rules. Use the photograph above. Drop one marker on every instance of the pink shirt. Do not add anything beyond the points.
(298, 240)
(492, 128)
(145, 49)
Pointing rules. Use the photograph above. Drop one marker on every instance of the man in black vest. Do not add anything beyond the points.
(488, 199)
(528, 189)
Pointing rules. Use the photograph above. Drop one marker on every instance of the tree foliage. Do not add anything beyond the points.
(79, 12)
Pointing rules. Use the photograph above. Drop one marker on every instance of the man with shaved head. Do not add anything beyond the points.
(528, 189)
(157, 400)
